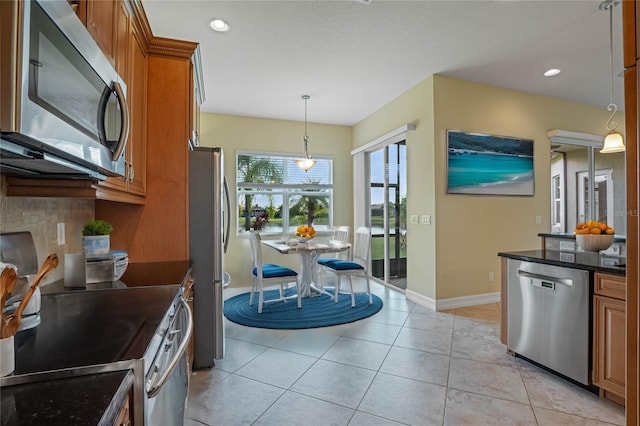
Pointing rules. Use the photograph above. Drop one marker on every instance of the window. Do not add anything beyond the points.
(274, 196)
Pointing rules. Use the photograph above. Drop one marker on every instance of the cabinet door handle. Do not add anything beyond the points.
(126, 171)
(131, 172)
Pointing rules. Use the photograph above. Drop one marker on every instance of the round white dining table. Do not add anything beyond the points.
(309, 253)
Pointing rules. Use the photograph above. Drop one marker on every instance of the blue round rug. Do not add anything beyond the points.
(318, 311)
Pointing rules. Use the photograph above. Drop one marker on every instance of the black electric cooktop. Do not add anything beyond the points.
(86, 328)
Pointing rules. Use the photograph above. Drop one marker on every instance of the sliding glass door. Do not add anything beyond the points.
(388, 197)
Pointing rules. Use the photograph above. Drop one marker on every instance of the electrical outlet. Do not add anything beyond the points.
(538, 220)
(61, 240)
(491, 277)
(425, 219)
(413, 219)
(567, 245)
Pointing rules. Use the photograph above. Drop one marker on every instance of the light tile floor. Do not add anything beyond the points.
(404, 365)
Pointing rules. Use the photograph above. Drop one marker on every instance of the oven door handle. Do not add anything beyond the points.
(154, 388)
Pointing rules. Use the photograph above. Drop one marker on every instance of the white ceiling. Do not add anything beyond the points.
(352, 57)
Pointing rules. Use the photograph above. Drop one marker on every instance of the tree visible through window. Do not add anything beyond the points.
(275, 196)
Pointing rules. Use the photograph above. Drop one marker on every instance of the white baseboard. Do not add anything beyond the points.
(453, 302)
(420, 299)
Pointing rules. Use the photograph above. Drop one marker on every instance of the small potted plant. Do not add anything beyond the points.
(96, 237)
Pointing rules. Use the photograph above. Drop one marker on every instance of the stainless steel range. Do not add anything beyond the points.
(143, 329)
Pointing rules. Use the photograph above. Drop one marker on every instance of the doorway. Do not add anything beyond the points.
(602, 195)
(387, 210)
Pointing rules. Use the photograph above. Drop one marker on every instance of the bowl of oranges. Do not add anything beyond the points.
(305, 232)
(594, 236)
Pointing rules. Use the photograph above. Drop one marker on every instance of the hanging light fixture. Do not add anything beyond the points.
(307, 162)
(613, 142)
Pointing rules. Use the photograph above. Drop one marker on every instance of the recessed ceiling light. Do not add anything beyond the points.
(219, 25)
(551, 72)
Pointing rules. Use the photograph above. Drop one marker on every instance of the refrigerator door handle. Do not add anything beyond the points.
(227, 223)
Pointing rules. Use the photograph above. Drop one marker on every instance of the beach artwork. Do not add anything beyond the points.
(489, 165)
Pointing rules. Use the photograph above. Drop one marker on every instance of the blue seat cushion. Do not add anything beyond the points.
(343, 265)
(325, 260)
(269, 270)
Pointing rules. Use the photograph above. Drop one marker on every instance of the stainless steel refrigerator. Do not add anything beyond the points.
(209, 215)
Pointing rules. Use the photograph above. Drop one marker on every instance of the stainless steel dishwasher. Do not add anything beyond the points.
(548, 317)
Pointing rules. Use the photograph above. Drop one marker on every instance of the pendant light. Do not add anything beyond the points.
(307, 162)
(613, 142)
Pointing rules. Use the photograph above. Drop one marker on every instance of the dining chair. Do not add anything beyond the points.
(268, 275)
(342, 234)
(356, 267)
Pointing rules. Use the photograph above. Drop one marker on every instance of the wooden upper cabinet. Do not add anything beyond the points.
(131, 64)
(137, 175)
(122, 29)
(100, 23)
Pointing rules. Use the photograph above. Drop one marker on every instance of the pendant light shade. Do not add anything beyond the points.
(307, 162)
(613, 142)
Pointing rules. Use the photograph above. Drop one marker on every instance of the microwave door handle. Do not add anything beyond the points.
(154, 388)
(227, 224)
(124, 132)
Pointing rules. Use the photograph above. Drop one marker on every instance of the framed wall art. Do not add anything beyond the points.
(481, 164)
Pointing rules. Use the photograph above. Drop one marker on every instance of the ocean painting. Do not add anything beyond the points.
(489, 165)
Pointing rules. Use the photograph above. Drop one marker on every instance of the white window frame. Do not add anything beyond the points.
(285, 190)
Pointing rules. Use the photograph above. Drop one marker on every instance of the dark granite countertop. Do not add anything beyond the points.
(571, 236)
(94, 399)
(594, 262)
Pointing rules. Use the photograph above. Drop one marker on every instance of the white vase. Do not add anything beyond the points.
(95, 245)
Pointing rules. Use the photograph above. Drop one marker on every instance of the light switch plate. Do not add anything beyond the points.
(425, 219)
(413, 219)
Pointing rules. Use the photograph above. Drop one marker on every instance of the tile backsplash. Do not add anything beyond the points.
(41, 216)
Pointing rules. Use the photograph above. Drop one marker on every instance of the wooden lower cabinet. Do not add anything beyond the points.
(124, 418)
(609, 361)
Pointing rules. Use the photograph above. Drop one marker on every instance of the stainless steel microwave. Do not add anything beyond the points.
(63, 111)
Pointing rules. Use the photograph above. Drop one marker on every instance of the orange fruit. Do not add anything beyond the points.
(610, 231)
(596, 231)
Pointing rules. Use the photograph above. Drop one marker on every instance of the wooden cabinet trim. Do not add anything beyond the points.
(170, 48)
(610, 285)
(630, 46)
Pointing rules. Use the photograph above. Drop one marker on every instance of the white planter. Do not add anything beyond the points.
(7, 358)
(95, 245)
